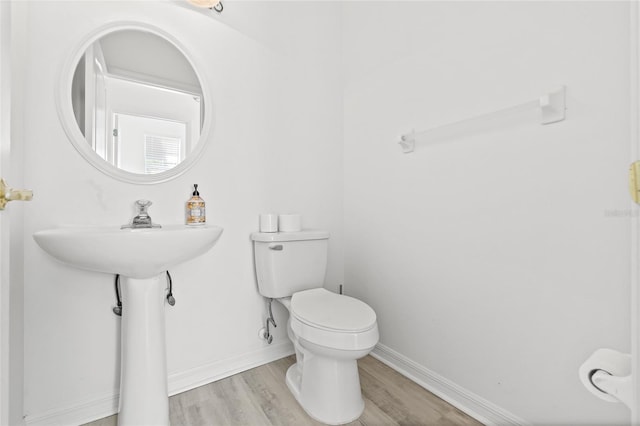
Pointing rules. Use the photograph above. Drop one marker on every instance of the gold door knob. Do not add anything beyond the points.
(9, 194)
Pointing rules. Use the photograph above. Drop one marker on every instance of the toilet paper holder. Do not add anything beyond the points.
(607, 375)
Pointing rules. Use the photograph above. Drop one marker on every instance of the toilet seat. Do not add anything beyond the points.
(332, 320)
(324, 309)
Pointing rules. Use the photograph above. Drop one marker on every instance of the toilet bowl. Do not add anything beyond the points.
(329, 331)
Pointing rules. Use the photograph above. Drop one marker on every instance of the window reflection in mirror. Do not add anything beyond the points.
(137, 101)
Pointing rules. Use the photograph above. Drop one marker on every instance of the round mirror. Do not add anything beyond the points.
(133, 104)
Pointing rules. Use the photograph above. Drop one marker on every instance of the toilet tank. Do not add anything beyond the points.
(288, 262)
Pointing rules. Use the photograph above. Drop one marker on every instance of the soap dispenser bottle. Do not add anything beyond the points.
(195, 209)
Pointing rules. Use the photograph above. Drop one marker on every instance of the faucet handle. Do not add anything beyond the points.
(142, 219)
(143, 205)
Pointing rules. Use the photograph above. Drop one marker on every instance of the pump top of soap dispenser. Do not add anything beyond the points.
(195, 190)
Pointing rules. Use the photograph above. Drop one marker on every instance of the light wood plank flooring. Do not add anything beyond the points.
(260, 397)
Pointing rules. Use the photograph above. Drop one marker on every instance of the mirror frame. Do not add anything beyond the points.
(77, 139)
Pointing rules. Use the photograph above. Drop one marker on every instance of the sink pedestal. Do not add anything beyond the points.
(141, 257)
(144, 396)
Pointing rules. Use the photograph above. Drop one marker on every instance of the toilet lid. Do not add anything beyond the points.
(323, 309)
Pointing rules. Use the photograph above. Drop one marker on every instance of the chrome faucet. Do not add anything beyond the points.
(142, 219)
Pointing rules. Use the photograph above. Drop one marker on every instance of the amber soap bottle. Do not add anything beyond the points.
(196, 209)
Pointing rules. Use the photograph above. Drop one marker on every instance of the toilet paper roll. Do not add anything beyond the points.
(616, 363)
(268, 222)
(289, 223)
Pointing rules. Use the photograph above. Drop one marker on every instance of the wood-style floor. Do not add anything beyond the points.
(260, 397)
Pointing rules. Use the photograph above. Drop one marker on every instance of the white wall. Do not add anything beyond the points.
(489, 255)
(276, 148)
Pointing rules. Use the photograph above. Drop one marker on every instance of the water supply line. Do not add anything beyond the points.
(266, 334)
(118, 308)
(170, 299)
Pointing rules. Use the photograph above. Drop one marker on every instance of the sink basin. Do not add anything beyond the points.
(141, 257)
(135, 253)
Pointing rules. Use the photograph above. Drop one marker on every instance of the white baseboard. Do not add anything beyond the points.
(82, 411)
(87, 410)
(477, 407)
(181, 382)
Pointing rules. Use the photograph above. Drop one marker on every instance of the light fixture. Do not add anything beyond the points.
(209, 4)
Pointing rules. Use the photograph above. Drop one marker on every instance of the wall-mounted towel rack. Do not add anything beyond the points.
(551, 104)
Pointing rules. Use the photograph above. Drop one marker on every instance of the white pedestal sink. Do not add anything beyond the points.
(141, 257)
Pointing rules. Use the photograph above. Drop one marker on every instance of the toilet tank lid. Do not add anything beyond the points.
(310, 234)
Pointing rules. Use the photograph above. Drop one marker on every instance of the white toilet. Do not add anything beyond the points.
(329, 331)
